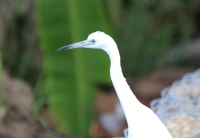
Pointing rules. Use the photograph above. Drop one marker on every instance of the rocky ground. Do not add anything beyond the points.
(17, 118)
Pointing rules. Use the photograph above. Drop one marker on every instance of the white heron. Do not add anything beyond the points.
(142, 122)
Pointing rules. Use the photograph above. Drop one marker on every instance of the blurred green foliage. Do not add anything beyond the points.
(18, 40)
(70, 75)
(1, 71)
(147, 29)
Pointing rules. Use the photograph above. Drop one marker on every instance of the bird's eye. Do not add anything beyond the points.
(93, 40)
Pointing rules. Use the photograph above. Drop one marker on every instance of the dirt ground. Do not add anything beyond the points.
(17, 119)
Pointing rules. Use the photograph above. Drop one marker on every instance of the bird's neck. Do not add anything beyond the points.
(125, 95)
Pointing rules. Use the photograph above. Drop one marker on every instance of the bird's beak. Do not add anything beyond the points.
(81, 44)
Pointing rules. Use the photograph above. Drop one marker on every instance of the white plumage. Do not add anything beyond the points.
(142, 122)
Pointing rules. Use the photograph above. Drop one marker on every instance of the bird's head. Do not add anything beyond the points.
(96, 40)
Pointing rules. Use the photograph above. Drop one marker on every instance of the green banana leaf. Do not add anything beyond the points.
(70, 75)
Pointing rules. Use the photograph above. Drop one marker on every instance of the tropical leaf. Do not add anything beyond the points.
(70, 75)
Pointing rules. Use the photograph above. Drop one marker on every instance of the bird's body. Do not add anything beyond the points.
(142, 122)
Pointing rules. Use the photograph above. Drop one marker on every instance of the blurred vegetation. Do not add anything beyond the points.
(1, 70)
(147, 29)
(19, 44)
(64, 81)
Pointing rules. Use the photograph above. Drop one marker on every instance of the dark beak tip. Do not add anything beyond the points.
(61, 49)
(64, 48)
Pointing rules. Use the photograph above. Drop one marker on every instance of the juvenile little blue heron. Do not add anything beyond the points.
(142, 122)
